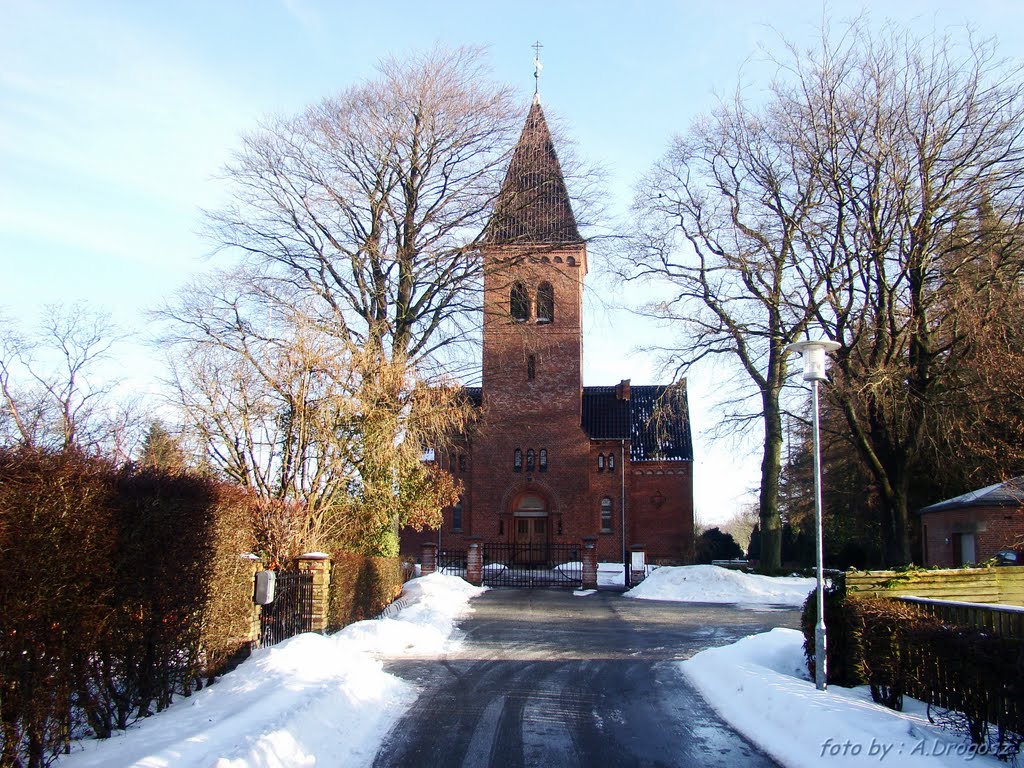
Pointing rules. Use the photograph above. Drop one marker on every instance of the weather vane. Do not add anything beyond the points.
(536, 67)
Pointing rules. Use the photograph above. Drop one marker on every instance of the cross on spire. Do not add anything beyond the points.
(537, 67)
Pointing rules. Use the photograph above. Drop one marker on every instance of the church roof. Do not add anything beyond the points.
(655, 419)
(533, 205)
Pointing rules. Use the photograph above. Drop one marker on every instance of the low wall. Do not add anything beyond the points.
(1001, 585)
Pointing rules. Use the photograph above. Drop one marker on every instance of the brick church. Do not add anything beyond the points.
(549, 460)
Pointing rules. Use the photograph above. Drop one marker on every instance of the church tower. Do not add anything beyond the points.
(535, 262)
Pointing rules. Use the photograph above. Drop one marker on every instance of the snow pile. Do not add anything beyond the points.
(711, 584)
(611, 574)
(760, 686)
(311, 700)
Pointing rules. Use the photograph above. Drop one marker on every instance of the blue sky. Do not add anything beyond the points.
(115, 118)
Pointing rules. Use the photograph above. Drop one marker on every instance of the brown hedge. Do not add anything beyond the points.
(973, 681)
(361, 587)
(122, 587)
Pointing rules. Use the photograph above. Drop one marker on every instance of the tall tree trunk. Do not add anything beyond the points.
(771, 466)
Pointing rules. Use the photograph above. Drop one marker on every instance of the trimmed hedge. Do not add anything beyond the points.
(118, 585)
(361, 587)
(972, 681)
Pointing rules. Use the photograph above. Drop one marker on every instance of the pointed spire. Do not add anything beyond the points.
(533, 206)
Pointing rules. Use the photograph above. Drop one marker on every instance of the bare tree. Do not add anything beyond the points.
(885, 145)
(53, 392)
(723, 218)
(911, 136)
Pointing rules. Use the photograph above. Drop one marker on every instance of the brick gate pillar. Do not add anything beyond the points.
(475, 560)
(319, 564)
(428, 558)
(590, 562)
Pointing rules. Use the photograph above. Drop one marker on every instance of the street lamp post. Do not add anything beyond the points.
(813, 353)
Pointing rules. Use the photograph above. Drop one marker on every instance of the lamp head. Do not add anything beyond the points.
(813, 353)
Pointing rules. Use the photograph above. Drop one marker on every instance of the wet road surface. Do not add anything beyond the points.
(544, 678)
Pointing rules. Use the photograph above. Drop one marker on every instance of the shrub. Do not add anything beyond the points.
(844, 650)
(361, 587)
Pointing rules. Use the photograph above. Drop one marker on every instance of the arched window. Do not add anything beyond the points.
(519, 303)
(611, 462)
(545, 303)
(571, 261)
(457, 516)
(529, 459)
(517, 460)
(600, 462)
(543, 460)
(606, 515)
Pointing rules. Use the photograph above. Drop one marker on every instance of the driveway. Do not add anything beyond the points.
(545, 678)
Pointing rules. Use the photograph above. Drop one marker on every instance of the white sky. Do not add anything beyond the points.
(115, 118)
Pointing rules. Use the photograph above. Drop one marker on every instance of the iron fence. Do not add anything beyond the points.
(532, 565)
(291, 612)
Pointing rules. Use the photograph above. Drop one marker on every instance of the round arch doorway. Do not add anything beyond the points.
(530, 530)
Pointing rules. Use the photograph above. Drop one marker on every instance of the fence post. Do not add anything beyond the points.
(319, 564)
(589, 562)
(428, 558)
(475, 561)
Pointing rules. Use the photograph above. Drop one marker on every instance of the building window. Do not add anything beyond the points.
(517, 460)
(501, 527)
(457, 516)
(606, 515)
(462, 462)
(600, 462)
(543, 460)
(545, 303)
(531, 367)
(611, 462)
(519, 303)
(529, 460)
(571, 261)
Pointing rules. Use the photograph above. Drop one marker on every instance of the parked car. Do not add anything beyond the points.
(1009, 557)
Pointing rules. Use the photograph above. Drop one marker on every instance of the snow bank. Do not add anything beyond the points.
(311, 700)
(760, 686)
(711, 584)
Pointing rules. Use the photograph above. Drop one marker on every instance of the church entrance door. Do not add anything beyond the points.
(530, 533)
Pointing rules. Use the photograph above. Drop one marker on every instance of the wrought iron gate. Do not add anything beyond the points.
(291, 612)
(531, 565)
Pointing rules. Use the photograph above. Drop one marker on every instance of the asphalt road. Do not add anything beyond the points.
(544, 678)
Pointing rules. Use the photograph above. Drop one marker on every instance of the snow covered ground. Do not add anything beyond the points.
(312, 700)
(711, 584)
(761, 687)
(315, 701)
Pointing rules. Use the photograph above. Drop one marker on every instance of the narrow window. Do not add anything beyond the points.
(545, 303)
(457, 516)
(571, 261)
(501, 527)
(529, 460)
(600, 462)
(519, 303)
(611, 462)
(543, 460)
(531, 367)
(606, 515)
(517, 460)
(462, 462)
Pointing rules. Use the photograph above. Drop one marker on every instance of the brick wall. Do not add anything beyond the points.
(994, 529)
